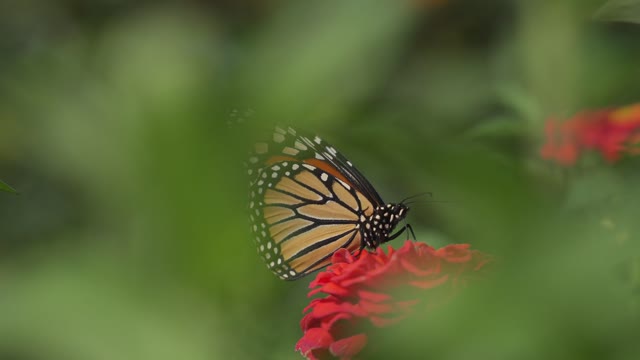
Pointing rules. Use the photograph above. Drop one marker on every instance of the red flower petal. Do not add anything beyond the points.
(313, 339)
(358, 292)
(373, 308)
(455, 253)
(333, 289)
(607, 131)
(348, 347)
(329, 308)
(430, 283)
(381, 322)
(415, 270)
(372, 296)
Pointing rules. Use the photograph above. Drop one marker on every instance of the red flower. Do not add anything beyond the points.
(611, 132)
(358, 292)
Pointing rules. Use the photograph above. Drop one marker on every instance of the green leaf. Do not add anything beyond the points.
(7, 188)
(498, 127)
(619, 10)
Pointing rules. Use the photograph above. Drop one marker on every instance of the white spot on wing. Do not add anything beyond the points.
(300, 146)
(278, 137)
(310, 167)
(261, 148)
(290, 151)
(324, 176)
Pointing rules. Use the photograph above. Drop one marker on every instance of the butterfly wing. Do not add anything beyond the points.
(304, 205)
(327, 153)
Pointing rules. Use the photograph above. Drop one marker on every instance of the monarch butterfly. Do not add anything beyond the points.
(307, 201)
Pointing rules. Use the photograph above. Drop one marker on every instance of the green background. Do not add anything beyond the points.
(129, 240)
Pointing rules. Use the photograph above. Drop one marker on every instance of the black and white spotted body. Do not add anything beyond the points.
(376, 229)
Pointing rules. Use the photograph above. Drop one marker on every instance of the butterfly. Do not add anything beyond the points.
(306, 201)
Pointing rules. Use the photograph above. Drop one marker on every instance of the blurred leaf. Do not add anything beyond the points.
(549, 40)
(521, 102)
(498, 127)
(104, 313)
(340, 57)
(619, 10)
(7, 188)
(593, 188)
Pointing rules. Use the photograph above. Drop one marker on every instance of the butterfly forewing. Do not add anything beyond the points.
(306, 202)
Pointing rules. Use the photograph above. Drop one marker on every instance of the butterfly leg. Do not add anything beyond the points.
(410, 229)
(407, 227)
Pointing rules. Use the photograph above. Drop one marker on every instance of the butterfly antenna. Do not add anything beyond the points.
(430, 201)
(428, 193)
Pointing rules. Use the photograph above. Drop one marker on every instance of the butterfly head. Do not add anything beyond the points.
(379, 226)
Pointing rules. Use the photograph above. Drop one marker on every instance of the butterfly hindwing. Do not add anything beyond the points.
(301, 215)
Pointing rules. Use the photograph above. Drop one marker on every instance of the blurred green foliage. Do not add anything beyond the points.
(5, 187)
(129, 238)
